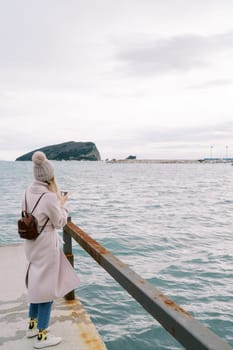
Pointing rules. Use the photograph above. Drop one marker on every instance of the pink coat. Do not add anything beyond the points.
(50, 275)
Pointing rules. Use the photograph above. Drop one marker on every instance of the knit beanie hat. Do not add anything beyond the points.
(43, 168)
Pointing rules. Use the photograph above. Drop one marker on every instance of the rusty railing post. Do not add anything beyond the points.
(67, 249)
(178, 322)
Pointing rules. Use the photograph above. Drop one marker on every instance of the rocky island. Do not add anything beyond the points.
(67, 151)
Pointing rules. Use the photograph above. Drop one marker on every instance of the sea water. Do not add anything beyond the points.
(171, 223)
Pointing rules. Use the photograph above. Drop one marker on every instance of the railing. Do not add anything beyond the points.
(179, 323)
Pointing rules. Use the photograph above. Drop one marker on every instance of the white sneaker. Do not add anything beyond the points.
(44, 340)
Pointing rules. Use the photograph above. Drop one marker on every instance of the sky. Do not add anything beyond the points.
(150, 78)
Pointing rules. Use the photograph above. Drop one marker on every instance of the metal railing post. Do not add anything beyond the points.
(67, 249)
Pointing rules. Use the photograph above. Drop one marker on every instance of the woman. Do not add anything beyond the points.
(49, 274)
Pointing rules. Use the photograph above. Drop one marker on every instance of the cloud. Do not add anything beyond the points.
(174, 142)
(212, 84)
(186, 143)
(206, 133)
(172, 54)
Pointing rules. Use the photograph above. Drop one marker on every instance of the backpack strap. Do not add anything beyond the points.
(35, 208)
(36, 202)
(25, 199)
(44, 225)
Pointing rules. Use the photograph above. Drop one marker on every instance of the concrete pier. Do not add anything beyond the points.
(69, 319)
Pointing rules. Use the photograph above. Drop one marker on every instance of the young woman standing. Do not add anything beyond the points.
(49, 274)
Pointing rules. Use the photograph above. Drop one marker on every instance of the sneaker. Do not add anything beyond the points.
(44, 340)
(32, 329)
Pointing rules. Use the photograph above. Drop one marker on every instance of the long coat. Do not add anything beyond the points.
(49, 274)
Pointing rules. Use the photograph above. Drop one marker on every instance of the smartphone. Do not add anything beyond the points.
(64, 193)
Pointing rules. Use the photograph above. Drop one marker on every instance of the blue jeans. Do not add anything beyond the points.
(42, 313)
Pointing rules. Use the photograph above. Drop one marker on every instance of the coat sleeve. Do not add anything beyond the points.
(56, 213)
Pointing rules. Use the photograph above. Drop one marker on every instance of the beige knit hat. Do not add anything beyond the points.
(43, 168)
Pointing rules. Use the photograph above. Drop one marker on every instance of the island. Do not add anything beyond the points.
(67, 151)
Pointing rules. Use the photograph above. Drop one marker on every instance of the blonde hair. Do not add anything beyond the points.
(53, 187)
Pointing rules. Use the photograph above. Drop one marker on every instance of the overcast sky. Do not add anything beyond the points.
(152, 78)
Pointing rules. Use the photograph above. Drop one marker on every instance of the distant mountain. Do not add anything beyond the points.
(67, 151)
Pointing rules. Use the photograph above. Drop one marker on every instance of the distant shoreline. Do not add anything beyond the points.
(169, 161)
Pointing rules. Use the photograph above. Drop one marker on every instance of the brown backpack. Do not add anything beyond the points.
(27, 224)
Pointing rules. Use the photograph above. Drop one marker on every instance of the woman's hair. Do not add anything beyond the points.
(53, 187)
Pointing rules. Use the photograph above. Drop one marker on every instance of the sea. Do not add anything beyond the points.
(171, 223)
